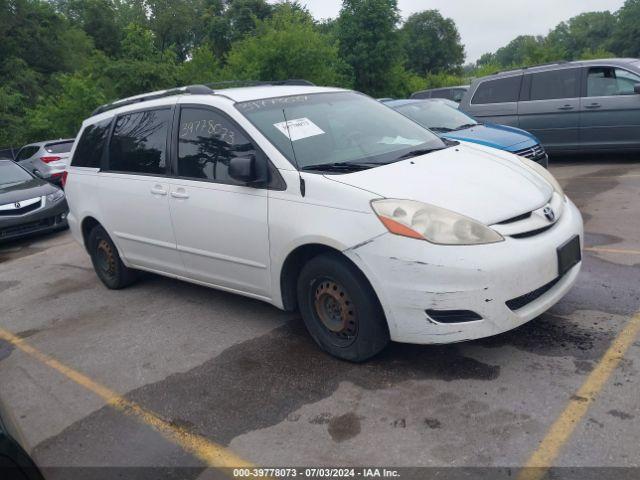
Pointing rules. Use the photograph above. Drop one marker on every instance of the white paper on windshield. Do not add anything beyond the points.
(299, 128)
(400, 141)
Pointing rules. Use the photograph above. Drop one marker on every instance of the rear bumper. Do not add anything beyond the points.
(412, 277)
(49, 218)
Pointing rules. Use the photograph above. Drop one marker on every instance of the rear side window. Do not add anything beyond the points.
(139, 142)
(26, 152)
(207, 141)
(91, 144)
(500, 90)
(60, 147)
(555, 84)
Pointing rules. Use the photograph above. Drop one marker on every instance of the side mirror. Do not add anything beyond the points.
(636, 88)
(243, 169)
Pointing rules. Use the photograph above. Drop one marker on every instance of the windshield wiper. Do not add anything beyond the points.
(441, 129)
(339, 167)
(417, 152)
(465, 126)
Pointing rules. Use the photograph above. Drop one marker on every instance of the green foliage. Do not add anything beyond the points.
(286, 45)
(59, 59)
(369, 43)
(60, 115)
(626, 38)
(431, 43)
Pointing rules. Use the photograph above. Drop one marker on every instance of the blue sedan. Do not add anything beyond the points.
(448, 122)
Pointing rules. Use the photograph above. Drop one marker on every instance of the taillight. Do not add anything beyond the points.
(50, 159)
(63, 179)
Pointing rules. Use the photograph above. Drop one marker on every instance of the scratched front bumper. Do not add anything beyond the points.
(411, 276)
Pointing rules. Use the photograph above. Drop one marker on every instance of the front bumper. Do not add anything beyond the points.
(48, 218)
(411, 277)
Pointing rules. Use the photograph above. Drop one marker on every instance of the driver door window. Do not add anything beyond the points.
(207, 141)
(610, 81)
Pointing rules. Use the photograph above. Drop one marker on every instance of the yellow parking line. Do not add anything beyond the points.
(542, 459)
(623, 251)
(212, 454)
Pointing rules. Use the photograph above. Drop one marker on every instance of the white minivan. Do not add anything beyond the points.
(326, 201)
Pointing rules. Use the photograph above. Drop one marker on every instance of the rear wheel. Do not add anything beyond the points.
(106, 261)
(340, 309)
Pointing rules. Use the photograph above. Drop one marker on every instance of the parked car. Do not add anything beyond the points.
(47, 160)
(15, 463)
(455, 125)
(28, 204)
(570, 106)
(451, 93)
(326, 201)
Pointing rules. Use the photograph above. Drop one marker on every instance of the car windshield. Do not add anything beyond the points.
(436, 116)
(345, 130)
(11, 173)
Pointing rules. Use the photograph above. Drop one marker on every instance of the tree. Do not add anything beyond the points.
(626, 38)
(590, 31)
(369, 43)
(432, 43)
(98, 20)
(286, 45)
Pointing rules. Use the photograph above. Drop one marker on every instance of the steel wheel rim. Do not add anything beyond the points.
(335, 311)
(105, 258)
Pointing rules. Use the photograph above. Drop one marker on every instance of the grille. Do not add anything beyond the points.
(26, 228)
(453, 316)
(532, 233)
(524, 300)
(533, 153)
(21, 211)
(524, 216)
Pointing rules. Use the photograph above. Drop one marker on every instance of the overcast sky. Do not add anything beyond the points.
(486, 25)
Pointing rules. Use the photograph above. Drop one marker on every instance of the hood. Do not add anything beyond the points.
(495, 136)
(482, 183)
(22, 191)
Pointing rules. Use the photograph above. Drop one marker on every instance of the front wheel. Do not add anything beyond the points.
(340, 309)
(106, 261)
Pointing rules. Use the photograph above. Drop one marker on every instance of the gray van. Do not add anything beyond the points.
(589, 105)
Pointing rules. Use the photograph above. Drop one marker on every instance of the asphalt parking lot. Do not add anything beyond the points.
(168, 374)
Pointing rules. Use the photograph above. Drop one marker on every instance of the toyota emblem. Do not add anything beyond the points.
(17, 204)
(549, 213)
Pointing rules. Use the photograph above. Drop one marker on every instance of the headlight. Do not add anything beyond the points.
(544, 173)
(55, 196)
(433, 224)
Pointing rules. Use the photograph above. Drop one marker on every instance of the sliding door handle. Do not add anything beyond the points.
(565, 108)
(180, 194)
(593, 106)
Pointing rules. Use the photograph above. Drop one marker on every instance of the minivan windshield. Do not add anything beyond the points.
(436, 116)
(338, 131)
(11, 173)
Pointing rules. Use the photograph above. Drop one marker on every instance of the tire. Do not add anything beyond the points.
(106, 261)
(340, 309)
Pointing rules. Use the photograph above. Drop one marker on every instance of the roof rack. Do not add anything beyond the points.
(259, 83)
(526, 67)
(196, 90)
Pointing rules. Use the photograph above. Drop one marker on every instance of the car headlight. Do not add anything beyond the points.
(437, 225)
(544, 173)
(55, 196)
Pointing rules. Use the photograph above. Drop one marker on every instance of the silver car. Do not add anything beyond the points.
(47, 160)
(591, 105)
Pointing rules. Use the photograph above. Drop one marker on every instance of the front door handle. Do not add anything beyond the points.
(158, 190)
(593, 106)
(180, 193)
(565, 107)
